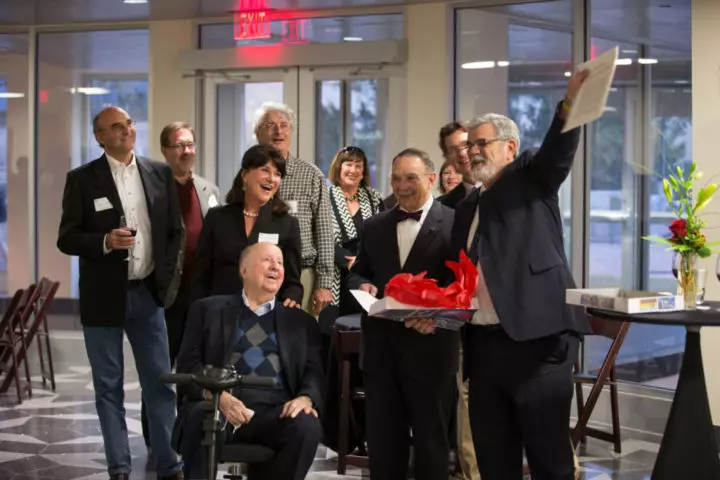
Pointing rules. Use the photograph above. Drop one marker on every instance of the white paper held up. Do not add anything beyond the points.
(590, 102)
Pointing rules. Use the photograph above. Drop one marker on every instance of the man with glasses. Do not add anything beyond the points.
(453, 143)
(196, 196)
(125, 270)
(522, 343)
(305, 190)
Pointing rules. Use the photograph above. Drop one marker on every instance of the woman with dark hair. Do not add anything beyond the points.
(353, 202)
(253, 214)
(449, 178)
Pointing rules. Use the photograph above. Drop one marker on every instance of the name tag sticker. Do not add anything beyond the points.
(102, 204)
(273, 238)
(212, 201)
(293, 205)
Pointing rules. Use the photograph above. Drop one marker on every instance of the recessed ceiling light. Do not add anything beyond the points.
(353, 39)
(647, 61)
(623, 61)
(90, 90)
(478, 65)
(629, 51)
(503, 63)
(681, 82)
(11, 95)
(134, 2)
(568, 74)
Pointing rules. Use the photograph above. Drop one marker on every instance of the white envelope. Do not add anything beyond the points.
(102, 204)
(273, 238)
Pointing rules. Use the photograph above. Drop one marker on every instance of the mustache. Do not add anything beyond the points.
(478, 159)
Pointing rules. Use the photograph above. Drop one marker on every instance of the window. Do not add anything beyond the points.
(79, 73)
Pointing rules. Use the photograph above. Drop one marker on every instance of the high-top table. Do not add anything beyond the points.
(688, 449)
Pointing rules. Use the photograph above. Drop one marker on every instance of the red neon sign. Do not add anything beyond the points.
(252, 21)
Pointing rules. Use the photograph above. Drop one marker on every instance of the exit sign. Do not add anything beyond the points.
(252, 20)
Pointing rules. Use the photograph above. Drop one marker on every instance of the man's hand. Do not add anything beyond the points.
(234, 410)
(290, 303)
(119, 239)
(321, 298)
(369, 288)
(422, 325)
(300, 404)
(351, 261)
(575, 83)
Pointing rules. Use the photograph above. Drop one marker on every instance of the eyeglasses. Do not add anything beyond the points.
(458, 150)
(483, 142)
(351, 149)
(282, 126)
(182, 146)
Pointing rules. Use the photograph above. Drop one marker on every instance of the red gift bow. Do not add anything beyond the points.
(424, 292)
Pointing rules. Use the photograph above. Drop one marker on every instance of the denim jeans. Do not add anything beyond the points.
(146, 330)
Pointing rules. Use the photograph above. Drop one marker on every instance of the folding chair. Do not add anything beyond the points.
(39, 327)
(606, 376)
(13, 347)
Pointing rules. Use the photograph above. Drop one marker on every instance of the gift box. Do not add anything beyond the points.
(410, 297)
(626, 301)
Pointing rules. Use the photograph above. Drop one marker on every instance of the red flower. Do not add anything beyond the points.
(678, 229)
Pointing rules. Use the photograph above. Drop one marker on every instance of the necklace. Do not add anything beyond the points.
(250, 214)
(353, 198)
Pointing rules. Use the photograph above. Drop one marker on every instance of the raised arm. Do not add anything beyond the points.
(553, 161)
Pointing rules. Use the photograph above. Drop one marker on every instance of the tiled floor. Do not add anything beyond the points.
(56, 435)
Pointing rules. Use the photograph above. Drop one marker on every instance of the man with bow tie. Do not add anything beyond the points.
(409, 370)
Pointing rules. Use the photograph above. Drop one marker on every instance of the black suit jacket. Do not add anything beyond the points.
(103, 278)
(378, 258)
(210, 335)
(521, 240)
(222, 240)
(453, 198)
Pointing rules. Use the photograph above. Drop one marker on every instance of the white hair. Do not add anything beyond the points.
(505, 128)
(268, 107)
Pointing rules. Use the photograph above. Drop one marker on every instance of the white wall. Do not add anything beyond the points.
(706, 118)
(171, 97)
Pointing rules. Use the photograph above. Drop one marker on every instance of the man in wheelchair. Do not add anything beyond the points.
(260, 337)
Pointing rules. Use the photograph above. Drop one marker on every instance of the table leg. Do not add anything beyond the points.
(688, 448)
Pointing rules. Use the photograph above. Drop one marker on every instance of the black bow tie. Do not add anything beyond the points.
(402, 215)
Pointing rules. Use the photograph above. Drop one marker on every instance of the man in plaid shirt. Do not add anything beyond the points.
(306, 192)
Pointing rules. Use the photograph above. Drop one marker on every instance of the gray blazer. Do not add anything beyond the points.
(209, 196)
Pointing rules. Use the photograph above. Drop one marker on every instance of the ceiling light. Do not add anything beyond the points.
(647, 61)
(503, 63)
(11, 95)
(90, 90)
(623, 61)
(353, 39)
(568, 74)
(681, 82)
(477, 65)
(134, 2)
(629, 51)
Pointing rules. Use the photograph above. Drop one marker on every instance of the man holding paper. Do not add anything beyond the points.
(523, 340)
(408, 372)
(260, 337)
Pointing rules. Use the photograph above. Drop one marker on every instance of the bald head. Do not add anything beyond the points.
(115, 132)
(261, 269)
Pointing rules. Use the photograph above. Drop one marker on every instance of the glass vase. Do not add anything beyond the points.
(687, 279)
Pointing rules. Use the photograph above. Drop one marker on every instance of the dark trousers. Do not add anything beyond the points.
(520, 396)
(409, 380)
(294, 441)
(175, 318)
(146, 331)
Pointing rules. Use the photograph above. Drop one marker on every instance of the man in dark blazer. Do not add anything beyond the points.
(408, 373)
(121, 217)
(453, 143)
(254, 332)
(523, 341)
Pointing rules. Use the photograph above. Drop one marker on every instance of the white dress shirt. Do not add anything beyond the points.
(132, 196)
(407, 232)
(485, 314)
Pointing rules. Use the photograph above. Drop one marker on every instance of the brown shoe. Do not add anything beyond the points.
(175, 476)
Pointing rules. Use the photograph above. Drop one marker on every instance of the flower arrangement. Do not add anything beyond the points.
(687, 238)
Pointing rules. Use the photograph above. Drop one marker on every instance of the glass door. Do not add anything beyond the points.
(231, 104)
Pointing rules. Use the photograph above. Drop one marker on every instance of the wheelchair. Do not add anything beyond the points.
(217, 380)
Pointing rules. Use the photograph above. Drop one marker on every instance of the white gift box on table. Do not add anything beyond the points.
(391, 309)
(626, 301)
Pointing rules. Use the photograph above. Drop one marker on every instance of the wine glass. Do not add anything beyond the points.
(129, 225)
